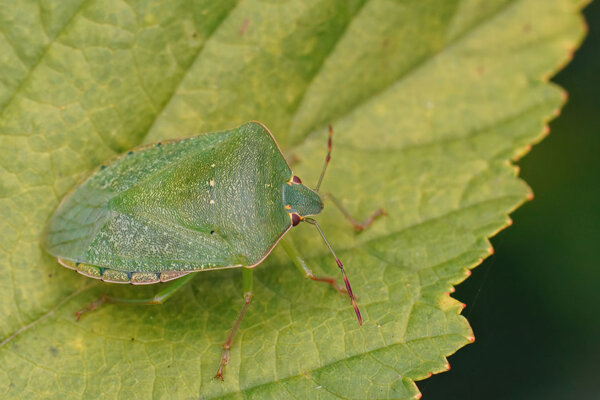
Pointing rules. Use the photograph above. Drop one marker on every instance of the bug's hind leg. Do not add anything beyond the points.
(247, 284)
(299, 262)
(159, 298)
(357, 225)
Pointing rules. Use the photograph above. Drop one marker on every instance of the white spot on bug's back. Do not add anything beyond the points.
(211, 183)
(212, 165)
(211, 201)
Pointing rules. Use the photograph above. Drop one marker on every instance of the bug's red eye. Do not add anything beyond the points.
(295, 219)
(296, 180)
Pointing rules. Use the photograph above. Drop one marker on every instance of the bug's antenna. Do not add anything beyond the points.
(326, 158)
(339, 263)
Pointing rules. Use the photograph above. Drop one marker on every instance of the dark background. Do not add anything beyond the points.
(535, 305)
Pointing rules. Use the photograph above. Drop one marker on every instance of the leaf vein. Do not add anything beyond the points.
(40, 58)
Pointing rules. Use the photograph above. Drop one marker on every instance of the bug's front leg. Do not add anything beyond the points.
(247, 284)
(357, 225)
(299, 262)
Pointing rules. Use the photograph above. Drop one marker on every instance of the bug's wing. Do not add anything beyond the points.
(204, 202)
(89, 227)
(135, 243)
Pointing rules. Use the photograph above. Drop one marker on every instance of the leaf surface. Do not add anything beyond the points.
(429, 100)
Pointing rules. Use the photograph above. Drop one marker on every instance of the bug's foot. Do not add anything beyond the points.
(222, 364)
(331, 281)
(341, 289)
(91, 307)
(358, 227)
(219, 374)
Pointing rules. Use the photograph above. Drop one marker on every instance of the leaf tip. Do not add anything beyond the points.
(529, 196)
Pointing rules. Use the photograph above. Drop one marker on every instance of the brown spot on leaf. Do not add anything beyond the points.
(243, 27)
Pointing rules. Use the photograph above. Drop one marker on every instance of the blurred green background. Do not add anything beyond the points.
(535, 304)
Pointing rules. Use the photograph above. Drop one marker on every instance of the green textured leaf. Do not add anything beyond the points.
(429, 99)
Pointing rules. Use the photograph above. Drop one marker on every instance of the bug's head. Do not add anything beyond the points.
(300, 201)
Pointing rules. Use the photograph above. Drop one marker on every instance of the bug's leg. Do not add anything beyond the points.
(340, 266)
(159, 298)
(247, 283)
(299, 262)
(358, 226)
(327, 158)
(91, 307)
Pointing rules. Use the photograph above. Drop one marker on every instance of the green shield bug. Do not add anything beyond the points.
(162, 211)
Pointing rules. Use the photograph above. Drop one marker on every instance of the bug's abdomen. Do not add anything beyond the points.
(114, 276)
